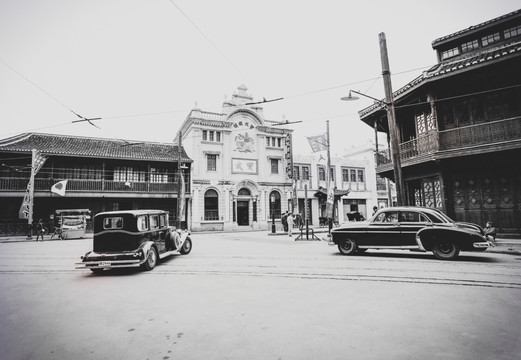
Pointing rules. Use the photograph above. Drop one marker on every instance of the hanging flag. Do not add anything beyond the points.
(330, 200)
(27, 203)
(59, 187)
(318, 142)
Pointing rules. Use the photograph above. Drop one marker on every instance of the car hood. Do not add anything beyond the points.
(352, 225)
(469, 226)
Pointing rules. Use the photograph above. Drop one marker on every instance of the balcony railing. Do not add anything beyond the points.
(20, 184)
(495, 132)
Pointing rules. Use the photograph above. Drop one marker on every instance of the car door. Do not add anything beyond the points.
(384, 230)
(410, 223)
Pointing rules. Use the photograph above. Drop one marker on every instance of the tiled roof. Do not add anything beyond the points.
(76, 146)
(502, 18)
(452, 67)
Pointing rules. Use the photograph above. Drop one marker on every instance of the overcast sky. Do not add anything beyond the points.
(142, 65)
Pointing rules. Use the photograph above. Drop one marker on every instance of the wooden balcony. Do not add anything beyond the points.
(10, 184)
(486, 137)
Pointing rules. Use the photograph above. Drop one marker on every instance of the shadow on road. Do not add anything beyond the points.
(463, 257)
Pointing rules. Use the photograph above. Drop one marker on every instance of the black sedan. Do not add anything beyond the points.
(410, 228)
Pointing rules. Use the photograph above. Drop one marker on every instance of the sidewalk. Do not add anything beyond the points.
(503, 245)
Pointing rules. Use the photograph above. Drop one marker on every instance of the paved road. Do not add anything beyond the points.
(253, 296)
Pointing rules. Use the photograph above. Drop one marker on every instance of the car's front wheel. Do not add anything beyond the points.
(347, 247)
(445, 250)
(187, 247)
(151, 260)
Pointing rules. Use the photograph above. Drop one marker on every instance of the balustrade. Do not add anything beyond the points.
(495, 132)
(20, 184)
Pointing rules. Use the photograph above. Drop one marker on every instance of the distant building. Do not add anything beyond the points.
(101, 174)
(460, 126)
(240, 173)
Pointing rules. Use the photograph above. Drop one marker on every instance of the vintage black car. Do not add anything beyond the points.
(133, 238)
(410, 228)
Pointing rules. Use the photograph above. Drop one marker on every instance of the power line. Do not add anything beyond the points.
(206, 37)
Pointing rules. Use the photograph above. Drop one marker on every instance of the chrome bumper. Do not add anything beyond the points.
(108, 264)
(482, 244)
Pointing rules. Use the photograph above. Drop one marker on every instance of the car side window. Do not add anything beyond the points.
(154, 222)
(409, 216)
(389, 216)
(162, 221)
(142, 223)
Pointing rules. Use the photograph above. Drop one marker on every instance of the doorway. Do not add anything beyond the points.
(243, 214)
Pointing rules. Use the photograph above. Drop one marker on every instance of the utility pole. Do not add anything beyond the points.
(391, 117)
(179, 183)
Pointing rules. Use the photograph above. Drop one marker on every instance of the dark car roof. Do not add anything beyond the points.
(412, 208)
(131, 212)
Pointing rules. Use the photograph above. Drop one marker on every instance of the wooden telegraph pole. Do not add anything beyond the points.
(393, 128)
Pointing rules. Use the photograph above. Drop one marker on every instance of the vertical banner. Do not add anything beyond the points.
(26, 209)
(290, 172)
(182, 196)
(289, 156)
(330, 200)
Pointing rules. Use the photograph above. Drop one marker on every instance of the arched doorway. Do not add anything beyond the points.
(243, 209)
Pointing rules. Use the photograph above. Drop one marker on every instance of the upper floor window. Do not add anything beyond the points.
(513, 31)
(345, 175)
(360, 175)
(274, 166)
(321, 174)
(210, 135)
(273, 141)
(305, 173)
(490, 39)
(353, 175)
(470, 45)
(158, 175)
(211, 162)
(296, 172)
(128, 173)
(450, 53)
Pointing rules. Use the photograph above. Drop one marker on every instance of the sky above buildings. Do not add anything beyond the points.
(142, 65)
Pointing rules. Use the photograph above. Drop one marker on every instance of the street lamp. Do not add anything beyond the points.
(273, 228)
(394, 135)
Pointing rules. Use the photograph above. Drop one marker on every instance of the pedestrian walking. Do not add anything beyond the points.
(290, 223)
(39, 230)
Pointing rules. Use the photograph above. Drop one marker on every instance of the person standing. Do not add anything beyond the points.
(290, 223)
(284, 220)
(39, 230)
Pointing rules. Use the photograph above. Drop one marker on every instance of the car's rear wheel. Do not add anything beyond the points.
(151, 261)
(347, 247)
(187, 247)
(445, 250)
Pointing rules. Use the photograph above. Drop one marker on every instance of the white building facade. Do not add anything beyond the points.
(241, 161)
(357, 187)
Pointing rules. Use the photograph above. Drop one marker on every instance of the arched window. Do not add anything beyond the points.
(274, 205)
(211, 205)
(244, 192)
